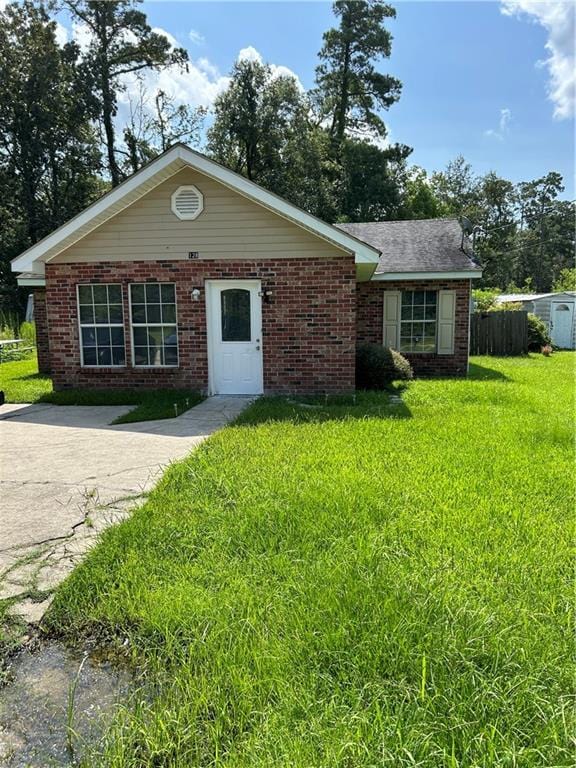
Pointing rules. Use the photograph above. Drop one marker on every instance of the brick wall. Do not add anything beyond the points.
(41, 323)
(369, 323)
(308, 328)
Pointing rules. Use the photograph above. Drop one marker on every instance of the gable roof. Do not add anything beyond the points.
(158, 170)
(421, 246)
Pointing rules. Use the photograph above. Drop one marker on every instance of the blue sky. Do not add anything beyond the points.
(475, 78)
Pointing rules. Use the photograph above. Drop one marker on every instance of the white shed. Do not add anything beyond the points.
(557, 310)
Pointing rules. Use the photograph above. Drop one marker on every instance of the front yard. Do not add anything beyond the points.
(22, 383)
(352, 585)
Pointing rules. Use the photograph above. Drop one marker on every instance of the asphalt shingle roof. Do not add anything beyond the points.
(422, 245)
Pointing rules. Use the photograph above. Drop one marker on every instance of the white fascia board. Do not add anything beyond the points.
(31, 282)
(365, 254)
(464, 274)
(25, 262)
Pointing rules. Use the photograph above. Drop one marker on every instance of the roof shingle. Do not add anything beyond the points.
(421, 245)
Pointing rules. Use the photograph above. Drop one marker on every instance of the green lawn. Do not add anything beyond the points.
(352, 585)
(23, 384)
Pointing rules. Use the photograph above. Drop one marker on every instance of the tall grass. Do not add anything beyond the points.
(340, 589)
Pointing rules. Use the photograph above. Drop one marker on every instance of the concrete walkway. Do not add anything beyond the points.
(66, 474)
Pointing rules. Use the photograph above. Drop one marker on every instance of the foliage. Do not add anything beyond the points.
(419, 200)
(485, 298)
(121, 42)
(369, 181)
(48, 148)
(523, 232)
(350, 91)
(361, 590)
(566, 281)
(377, 367)
(538, 334)
(155, 125)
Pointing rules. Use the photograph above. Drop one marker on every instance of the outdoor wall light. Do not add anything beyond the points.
(266, 295)
(195, 295)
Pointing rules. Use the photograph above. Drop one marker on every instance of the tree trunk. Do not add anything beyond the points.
(107, 97)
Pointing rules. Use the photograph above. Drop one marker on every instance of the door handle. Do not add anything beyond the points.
(257, 347)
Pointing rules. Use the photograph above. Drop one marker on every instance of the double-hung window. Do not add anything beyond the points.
(154, 328)
(418, 321)
(101, 321)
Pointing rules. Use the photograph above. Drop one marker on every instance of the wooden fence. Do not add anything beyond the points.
(499, 333)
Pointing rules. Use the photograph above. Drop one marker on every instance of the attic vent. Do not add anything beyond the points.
(187, 202)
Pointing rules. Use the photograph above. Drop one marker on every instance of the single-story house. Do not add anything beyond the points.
(555, 309)
(190, 275)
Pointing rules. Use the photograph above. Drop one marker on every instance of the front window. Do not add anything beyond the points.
(154, 329)
(101, 320)
(418, 321)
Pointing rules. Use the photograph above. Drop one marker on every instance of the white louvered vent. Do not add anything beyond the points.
(187, 202)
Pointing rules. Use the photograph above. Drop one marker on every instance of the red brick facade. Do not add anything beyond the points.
(41, 323)
(370, 319)
(308, 327)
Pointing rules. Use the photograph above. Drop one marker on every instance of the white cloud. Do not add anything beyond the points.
(196, 37)
(558, 19)
(198, 86)
(250, 54)
(278, 70)
(502, 131)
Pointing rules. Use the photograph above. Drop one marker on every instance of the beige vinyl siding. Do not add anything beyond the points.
(230, 227)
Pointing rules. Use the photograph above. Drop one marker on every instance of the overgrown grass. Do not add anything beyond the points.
(352, 589)
(22, 383)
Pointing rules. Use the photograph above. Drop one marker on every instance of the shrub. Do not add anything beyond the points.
(377, 366)
(538, 335)
(484, 298)
(28, 333)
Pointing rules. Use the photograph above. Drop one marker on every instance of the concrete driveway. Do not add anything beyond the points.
(65, 474)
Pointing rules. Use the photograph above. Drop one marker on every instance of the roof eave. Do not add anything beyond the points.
(466, 274)
(180, 156)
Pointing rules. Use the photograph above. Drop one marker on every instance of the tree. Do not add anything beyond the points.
(155, 125)
(262, 129)
(371, 189)
(546, 242)
(418, 199)
(566, 281)
(495, 247)
(48, 150)
(121, 43)
(456, 188)
(349, 89)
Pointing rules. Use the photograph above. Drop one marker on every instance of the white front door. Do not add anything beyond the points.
(234, 317)
(562, 323)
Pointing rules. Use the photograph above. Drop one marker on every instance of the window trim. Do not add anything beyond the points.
(148, 325)
(400, 322)
(102, 325)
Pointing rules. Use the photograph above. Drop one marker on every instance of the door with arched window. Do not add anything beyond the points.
(234, 317)
(562, 323)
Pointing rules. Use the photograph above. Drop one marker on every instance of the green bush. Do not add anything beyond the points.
(28, 333)
(377, 367)
(484, 298)
(538, 335)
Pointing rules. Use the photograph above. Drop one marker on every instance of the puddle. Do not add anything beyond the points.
(34, 707)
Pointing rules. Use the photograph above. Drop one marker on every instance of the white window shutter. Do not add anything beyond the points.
(391, 331)
(446, 319)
